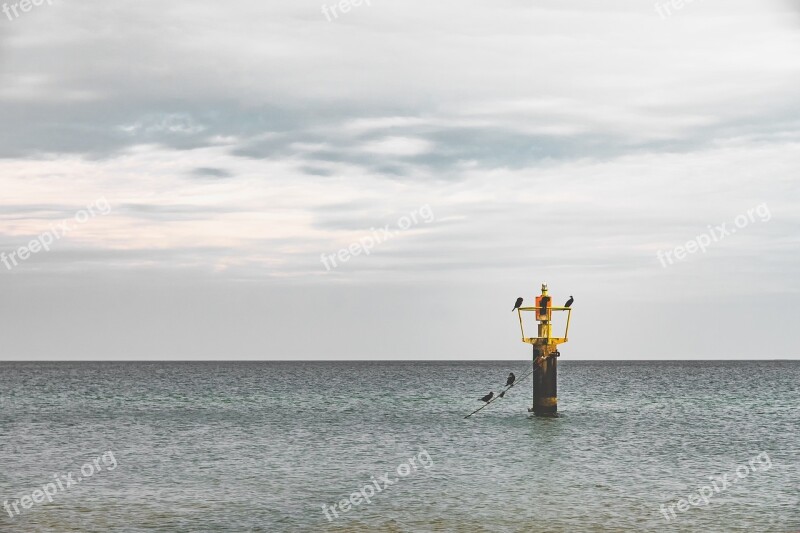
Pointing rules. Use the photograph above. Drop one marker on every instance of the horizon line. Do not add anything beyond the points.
(365, 360)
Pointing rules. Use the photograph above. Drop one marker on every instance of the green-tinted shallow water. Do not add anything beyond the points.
(262, 446)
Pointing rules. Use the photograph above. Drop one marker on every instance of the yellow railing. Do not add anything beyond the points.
(548, 339)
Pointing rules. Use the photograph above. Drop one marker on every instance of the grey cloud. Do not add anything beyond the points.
(172, 211)
(42, 211)
(211, 172)
(175, 95)
(316, 170)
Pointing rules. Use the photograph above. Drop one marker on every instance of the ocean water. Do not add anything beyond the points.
(263, 446)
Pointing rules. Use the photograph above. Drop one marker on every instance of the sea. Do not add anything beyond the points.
(638, 446)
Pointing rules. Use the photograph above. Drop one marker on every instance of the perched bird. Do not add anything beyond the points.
(501, 394)
(518, 304)
(569, 302)
(488, 397)
(510, 380)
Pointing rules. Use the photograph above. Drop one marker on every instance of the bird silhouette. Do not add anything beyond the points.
(511, 379)
(518, 304)
(569, 302)
(501, 394)
(488, 397)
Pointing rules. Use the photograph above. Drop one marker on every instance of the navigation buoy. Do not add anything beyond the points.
(545, 353)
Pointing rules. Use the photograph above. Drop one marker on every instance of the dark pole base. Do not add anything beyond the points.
(545, 382)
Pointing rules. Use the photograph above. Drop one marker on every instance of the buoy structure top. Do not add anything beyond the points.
(543, 311)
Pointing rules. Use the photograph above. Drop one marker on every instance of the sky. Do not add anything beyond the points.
(322, 180)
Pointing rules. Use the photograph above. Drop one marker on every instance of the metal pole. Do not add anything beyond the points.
(545, 381)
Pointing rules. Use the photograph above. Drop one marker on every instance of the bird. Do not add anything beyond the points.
(518, 304)
(569, 302)
(501, 394)
(510, 380)
(488, 397)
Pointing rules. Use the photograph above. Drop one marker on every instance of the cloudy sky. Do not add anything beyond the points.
(206, 156)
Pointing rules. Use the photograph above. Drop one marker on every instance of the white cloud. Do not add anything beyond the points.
(399, 146)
